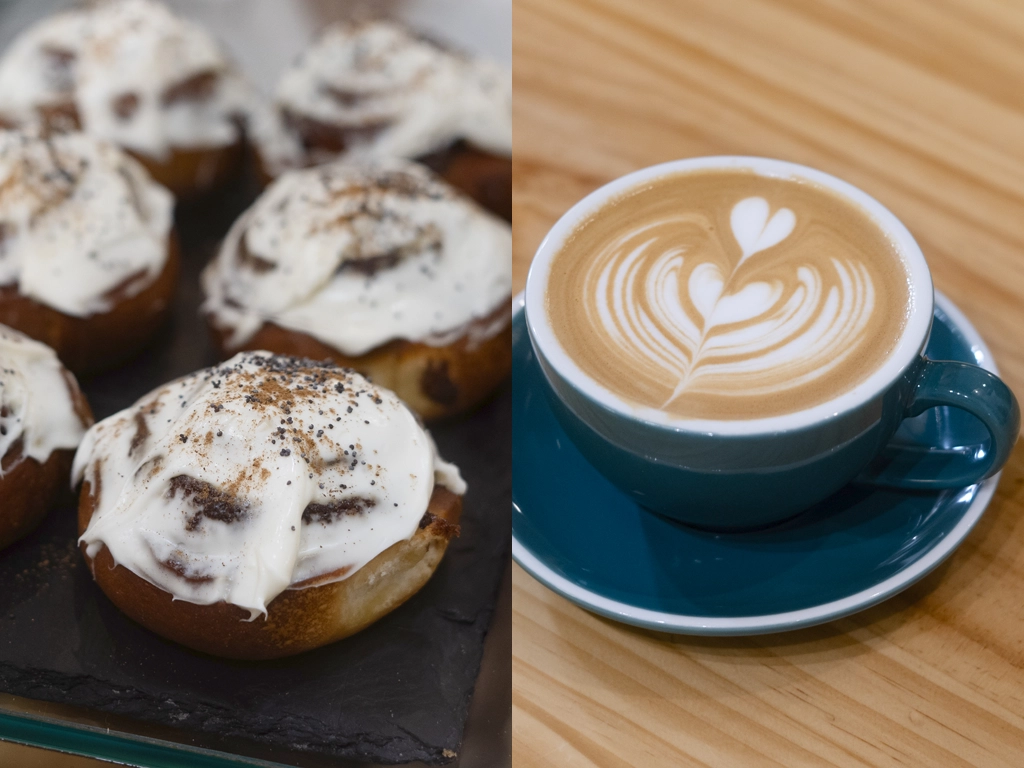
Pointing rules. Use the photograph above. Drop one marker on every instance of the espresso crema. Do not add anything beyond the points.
(722, 294)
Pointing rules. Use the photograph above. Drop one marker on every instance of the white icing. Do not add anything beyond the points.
(739, 329)
(78, 218)
(125, 47)
(311, 226)
(423, 97)
(31, 75)
(279, 148)
(36, 404)
(227, 427)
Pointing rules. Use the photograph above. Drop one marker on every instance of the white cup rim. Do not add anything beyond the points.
(908, 348)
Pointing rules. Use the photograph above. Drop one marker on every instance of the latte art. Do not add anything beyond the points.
(700, 323)
(682, 299)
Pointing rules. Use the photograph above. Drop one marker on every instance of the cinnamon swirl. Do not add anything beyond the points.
(379, 90)
(88, 263)
(263, 507)
(43, 416)
(380, 266)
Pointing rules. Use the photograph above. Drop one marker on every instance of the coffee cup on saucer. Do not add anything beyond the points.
(730, 340)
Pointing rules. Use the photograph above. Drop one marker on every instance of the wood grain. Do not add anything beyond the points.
(921, 103)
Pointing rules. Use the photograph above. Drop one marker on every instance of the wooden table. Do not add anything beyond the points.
(921, 103)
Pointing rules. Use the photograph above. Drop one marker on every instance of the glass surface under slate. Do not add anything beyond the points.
(264, 35)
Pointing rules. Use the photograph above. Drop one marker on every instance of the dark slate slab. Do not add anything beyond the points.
(397, 692)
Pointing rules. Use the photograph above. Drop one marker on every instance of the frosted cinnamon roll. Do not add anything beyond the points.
(133, 73)
(43, 416)
(377, 89)
(264, 506)
(88, 263)
(378, 265)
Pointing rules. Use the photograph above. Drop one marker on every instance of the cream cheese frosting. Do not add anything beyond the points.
(79, 221)
(37, 407)
(256, 475)
(392, 93)
(133, 72)
(357, 254)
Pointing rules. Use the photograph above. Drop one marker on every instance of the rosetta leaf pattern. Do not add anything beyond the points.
(694, 317)
(755, 229)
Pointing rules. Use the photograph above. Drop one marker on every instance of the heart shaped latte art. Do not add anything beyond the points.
(753, 299)
(685, 308)
(754, 230)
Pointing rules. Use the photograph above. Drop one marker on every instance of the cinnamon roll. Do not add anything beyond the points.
(380, 266)
(378, 90)
(133, 73)
(43, 416)
(88, 263)
(264, 506)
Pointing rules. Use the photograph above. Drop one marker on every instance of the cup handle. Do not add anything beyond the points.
(958, 385)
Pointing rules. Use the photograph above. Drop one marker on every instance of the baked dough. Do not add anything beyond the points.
(377, 89)
(43, 415)
(378, 265)
(263, 507)
(134, 74)
(89, 263)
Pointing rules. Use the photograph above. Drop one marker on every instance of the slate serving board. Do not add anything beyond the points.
(396, 692)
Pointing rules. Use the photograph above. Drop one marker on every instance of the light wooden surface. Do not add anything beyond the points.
(921, 103)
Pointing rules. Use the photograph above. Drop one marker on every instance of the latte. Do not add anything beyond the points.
(723, 294)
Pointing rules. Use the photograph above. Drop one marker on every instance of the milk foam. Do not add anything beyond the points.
(745, 328)
(729, 303)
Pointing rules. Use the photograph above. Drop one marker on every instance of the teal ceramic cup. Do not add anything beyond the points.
(748, 473)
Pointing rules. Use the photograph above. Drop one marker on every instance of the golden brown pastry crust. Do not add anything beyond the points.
(97, 342)
(436, 382)
(192, 172)
(484, 177)
(298, 619)
(28, 488)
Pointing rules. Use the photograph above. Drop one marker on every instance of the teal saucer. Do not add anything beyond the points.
(587, 541)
